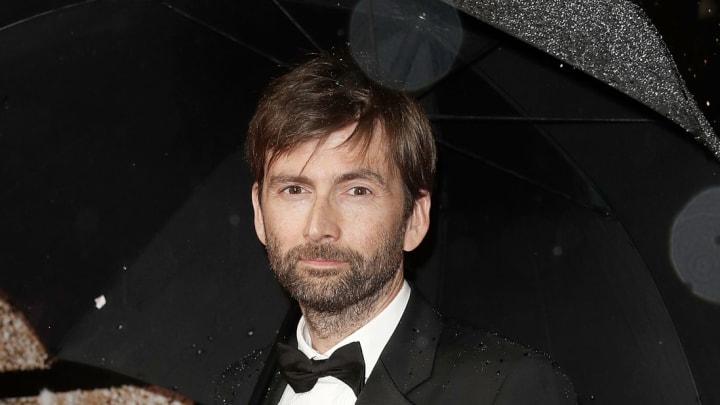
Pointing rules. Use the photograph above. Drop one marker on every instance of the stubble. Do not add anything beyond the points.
(341, 293)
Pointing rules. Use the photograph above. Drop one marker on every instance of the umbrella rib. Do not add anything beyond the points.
(297, 25)
(460, 68)
(44, 13)
(220, 32)
(539, 120)
(510, 172)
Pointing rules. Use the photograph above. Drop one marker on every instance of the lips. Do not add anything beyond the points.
(320, 262)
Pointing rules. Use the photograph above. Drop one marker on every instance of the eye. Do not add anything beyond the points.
(292, 190)
(359, 191)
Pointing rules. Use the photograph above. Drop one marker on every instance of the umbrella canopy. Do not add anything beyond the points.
(124, 184)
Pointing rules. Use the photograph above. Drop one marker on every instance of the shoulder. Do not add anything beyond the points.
(478, 364)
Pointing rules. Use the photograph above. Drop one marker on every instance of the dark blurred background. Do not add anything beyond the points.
(130, 196)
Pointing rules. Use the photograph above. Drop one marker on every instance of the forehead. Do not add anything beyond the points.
(339, 148)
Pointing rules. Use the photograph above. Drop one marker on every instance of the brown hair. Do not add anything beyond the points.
(327, 93)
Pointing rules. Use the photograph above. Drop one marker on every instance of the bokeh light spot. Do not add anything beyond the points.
(405, 44)
(694, 245)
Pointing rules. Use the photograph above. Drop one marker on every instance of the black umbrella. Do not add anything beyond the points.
(124, 182)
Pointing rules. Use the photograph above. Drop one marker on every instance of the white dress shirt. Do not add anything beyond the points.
(373, 336)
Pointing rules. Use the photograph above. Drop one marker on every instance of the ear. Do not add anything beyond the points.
(418, 222)
(257, 210)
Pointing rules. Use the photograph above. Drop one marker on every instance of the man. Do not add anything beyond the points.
(343, 171)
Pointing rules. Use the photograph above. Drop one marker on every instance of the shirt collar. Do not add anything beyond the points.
(373, 336)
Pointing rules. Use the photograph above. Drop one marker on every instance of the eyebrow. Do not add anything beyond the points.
(362, 174)
(284, 178)
(353, 175)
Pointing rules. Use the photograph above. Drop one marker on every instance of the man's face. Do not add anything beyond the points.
(331, 219)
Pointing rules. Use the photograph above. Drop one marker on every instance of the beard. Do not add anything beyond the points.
(355, 282)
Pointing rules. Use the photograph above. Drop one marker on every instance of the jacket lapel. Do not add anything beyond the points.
(407, 360)
(271, 384)
(380, 389)
(275, 390)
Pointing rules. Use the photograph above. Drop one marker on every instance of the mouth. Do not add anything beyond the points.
(318, 262)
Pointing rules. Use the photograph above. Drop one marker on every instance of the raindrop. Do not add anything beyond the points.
(497, 372)
(120, 326)
(707, 103)
(200, 352)
(210, 338)
(124, 267)
(557, 251)
(251, 332)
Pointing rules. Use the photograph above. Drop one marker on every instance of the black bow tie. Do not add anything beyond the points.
(345, 364)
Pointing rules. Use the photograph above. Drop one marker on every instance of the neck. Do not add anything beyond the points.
(328, 328)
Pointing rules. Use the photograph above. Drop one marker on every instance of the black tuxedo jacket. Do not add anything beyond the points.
(429, 361)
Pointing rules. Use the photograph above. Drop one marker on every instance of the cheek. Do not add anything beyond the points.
(284, 228)
(365, 231)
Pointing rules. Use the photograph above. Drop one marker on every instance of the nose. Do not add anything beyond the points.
(322, 222)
